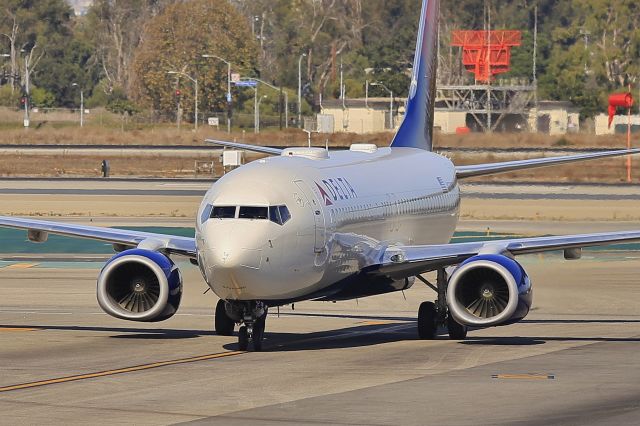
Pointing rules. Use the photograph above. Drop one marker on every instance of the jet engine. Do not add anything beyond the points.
(489, 290)
(140, 285)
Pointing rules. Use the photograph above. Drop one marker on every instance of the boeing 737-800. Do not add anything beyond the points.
(313, 224)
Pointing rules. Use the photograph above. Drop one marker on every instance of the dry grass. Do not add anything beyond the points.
(89, 166)
(601, 171)
(59, 128)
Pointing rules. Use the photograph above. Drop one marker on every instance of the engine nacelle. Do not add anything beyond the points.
(489, 290)
(140, 285)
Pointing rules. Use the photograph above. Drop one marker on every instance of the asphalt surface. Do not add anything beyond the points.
(574, 360)
(197, 188)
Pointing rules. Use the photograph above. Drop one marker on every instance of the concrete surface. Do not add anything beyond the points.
(574, 360)
(174, 199)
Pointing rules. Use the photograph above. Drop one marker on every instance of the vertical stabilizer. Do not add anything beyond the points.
(416, 130)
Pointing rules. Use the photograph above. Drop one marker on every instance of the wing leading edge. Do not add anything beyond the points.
(406, 261)
(246, 147)
(38, 230)
(470, 171)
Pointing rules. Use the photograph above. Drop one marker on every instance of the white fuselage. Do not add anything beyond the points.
(345, 210)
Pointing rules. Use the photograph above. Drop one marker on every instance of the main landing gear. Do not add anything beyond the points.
(433, 315)
(252, 316)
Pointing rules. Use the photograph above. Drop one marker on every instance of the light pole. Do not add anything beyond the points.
(81, 104)
(228, 87)
(377, 83)
(257, 111)
(278, 89)
(195, 82)
(300, 89)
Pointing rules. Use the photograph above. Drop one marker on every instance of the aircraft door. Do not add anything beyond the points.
(318, 215)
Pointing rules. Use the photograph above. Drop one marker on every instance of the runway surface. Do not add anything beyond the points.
(574, 360)
(197, 188)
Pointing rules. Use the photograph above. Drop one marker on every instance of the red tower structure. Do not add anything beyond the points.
(486, 53)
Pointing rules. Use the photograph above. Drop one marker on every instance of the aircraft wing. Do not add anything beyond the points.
(38, 231)
(406, 261)
(463, 172)
(246, 147)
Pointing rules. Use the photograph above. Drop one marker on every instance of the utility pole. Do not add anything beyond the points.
(195, 83)
(27, 91)
(535, 68)
(81, 103)
(229, 98)
(256, 119)
(300, 90)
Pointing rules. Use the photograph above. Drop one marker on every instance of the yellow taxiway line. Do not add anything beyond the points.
(524, 376)
(16, 329)
(119, 371)
(20, 266)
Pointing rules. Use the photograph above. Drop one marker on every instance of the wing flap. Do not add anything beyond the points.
(39, 229)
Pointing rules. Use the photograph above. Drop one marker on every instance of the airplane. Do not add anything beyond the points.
(313, 224)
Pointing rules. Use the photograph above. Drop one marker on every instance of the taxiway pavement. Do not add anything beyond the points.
(574, 360)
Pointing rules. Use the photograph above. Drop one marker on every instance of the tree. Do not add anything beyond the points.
(176, 40)
(118, 103)
(117, 30)
(41, 39)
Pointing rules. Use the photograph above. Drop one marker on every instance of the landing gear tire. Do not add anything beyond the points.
(258, 333)
(427, 321)
(243, 339)
(223, 324)
(456, 331)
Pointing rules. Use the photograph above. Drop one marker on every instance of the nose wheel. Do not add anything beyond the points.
(251, 333)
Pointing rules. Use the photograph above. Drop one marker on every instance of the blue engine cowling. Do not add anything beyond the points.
(489, 290)
(140, 285)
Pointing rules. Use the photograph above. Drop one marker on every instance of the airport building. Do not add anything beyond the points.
(363, 116)
(619, 125)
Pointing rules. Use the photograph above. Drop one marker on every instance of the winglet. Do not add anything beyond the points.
(416, 130)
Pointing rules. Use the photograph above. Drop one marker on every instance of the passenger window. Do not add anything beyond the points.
(259, 213)
(224, 212)
(206, 213)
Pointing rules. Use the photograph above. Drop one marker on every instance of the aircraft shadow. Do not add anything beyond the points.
(351, 337)
(131, 333)
(344, 316)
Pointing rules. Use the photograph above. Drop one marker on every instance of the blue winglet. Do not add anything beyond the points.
(416, 130)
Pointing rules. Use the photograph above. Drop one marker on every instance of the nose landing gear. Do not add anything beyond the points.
(252, 316)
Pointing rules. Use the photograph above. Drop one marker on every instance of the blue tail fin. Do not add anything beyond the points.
(416, 130)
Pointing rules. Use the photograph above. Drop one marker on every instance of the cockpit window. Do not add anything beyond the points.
(224, 212)
(206, 213)
(284, 214)
(254, 213)
(279, 214)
